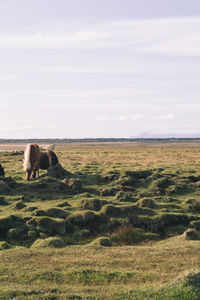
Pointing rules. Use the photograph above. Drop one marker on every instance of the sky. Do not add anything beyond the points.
(99, 69)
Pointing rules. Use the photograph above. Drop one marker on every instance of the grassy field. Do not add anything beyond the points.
(116, 221)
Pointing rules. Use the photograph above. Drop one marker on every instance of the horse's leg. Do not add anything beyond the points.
(34, 174)
(28, 174)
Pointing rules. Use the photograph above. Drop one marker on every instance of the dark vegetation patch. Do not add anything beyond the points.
(131, 236)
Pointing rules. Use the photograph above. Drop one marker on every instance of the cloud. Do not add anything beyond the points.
(171, 36)
(122, 118)
(168, 116)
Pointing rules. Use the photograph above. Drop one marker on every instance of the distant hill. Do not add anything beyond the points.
(163, 139)
(149, 135)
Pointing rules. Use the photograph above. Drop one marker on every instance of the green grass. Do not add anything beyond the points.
(166, 269)
(141, 198)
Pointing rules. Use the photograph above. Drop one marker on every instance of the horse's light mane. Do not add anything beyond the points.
(27, 152)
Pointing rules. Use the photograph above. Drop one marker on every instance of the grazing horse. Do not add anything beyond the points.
(2, 173)
(47, 160)
(31, 160)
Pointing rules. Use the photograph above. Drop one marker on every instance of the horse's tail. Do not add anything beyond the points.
(27, 158)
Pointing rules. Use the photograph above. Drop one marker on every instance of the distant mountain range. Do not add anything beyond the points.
(148, 135)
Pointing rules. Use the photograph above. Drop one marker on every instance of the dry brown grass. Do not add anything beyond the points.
(135, 267)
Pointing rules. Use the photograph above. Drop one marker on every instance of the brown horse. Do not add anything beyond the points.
(31, 160)
(47, 160)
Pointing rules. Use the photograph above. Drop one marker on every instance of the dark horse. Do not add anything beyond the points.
(47, 160)
(31, 160)
(2, 173)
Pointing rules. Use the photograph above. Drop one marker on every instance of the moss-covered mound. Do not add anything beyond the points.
(53, 212)
(3, 201)
(9, 222)
(92, 204)
(192, 234)
(57, 171)
(146, 202)
(71, 184)
(101, 241)
(49, 226)
(4, 246)
(51, 242)
(158, 223)
(19, 205)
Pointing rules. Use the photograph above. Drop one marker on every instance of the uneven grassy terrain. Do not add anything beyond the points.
(112, 221)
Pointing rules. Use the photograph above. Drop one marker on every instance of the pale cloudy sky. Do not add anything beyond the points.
(90, 68)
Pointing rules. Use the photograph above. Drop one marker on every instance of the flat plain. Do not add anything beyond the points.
(112, 221)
